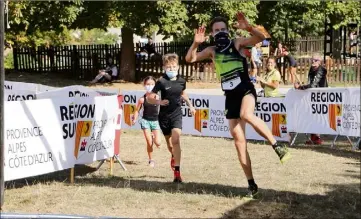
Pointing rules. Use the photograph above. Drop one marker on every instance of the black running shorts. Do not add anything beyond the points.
(167, 123)
(234, 99)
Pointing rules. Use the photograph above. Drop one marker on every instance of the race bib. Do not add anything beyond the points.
(230, 84)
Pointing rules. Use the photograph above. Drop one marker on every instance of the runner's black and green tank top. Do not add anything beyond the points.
(231, 67)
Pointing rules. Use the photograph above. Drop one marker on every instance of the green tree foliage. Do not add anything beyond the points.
(93, 36)
(299, 18)
(200, 13)
(36, 22)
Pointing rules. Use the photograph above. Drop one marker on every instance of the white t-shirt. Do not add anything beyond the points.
(114, 71)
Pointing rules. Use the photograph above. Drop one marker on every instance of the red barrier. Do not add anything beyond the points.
(118, 129)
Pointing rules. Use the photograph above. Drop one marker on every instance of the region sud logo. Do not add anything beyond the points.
(334, 115)
(83, 131)
(279, 124)
(129, 110)
(201, 118)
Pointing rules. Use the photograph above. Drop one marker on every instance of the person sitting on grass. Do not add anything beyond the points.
(108, 74)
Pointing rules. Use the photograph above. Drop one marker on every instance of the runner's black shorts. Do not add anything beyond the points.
(169, 122)
(234, 99)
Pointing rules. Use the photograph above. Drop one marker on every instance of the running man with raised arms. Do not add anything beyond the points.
(240, 93)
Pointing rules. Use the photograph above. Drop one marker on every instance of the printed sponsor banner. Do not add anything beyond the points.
(210, 119)
(48, 135)
(70, 91)
(13, 85)
(19, 95)
(89, 126)
(333, 111)
(351, 120)
(130, 100)
(33, 140)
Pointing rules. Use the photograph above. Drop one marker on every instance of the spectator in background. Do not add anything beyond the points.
(292, 64)
(353, 41)
(270, 81)
(316, 78)
(108, 74)
(149, 48)
(256, 62)
(279, 57)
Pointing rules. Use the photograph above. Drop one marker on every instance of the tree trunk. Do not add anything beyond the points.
(127, 58)
(337, 44)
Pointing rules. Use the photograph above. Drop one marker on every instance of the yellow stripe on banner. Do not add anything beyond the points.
(283, 119)
(205, 114)
(132, 108)
(79, 127)
(338, 110)
(86, 130)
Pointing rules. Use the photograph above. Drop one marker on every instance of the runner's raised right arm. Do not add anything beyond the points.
(192, 54)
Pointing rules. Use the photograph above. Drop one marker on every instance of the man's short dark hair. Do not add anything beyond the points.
(216, 20)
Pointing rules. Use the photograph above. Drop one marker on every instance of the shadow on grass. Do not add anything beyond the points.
(338, 152)
(338, 200)
(139, 184)
(342, 201)
(342, 148)
(60, 176)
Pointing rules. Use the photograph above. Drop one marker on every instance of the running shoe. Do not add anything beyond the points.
(172, 163)
(151, 163)
(252, 191)
(177, 177)
(315, 140)
(282, 152)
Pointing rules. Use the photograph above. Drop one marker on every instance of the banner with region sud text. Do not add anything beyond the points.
(48, 135)
(210, 119)
(19, 95)
(332, 111)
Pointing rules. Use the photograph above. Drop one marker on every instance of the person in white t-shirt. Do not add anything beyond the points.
(108, 74)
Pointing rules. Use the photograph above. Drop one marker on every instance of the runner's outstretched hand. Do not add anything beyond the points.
(199, 35)
(242, 22)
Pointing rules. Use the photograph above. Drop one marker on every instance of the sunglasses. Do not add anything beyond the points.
(315, 60)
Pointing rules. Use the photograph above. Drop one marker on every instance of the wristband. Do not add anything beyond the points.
(249, 28)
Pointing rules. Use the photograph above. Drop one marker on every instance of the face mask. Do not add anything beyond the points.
(171, 74)
(149, 88)
(221, 39)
